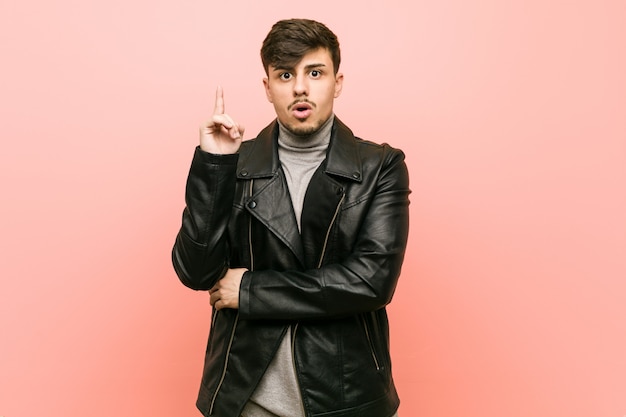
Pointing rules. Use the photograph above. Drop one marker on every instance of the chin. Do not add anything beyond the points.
(303, 129)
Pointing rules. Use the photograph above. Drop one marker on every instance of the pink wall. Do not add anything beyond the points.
(513, 118)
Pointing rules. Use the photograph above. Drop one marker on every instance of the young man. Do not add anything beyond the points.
(299, 236)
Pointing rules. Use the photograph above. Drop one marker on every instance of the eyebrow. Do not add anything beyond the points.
(307, 67)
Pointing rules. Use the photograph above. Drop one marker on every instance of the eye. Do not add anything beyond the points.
(316, 73)
(285, 76)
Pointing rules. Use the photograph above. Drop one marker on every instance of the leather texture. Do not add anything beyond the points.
(330, 283)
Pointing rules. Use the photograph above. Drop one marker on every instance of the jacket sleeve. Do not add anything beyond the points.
(200, 253)
(363, 281)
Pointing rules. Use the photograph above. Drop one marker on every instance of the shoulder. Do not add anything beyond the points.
(384, 163)
(351, 156)
(368, 148)
(246, 147)
(265, 137)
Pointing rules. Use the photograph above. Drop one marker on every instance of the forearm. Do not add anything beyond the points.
(364, 279)
(200, 253)
(334, 290)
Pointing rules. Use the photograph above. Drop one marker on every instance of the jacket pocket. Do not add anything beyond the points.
(370, 334)
(223, 326)
(225, 367)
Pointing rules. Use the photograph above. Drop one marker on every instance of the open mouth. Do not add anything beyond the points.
(301, 110)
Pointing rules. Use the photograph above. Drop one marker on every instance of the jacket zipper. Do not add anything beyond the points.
(230, 343)
(332, 222)
(232, 334)
(371, 343)
(295, 369)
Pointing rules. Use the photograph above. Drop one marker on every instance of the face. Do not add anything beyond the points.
(303, 96)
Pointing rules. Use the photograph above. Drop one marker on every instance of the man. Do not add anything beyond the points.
(299, 236)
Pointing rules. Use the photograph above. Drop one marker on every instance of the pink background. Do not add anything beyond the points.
(512, 114)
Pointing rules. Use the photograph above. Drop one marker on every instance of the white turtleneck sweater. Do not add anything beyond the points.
(278, 393)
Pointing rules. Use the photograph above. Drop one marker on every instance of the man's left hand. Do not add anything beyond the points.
(225, 294)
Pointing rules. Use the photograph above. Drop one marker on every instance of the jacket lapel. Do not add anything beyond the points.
(270, 202)
(326, 192)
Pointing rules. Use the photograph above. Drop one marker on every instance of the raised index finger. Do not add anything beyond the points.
(219, 100)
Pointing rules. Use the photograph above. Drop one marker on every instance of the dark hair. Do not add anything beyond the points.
(289, 40)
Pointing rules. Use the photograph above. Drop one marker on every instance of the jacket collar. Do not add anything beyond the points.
(342, 158)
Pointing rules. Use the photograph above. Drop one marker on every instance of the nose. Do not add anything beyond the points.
(300, 87)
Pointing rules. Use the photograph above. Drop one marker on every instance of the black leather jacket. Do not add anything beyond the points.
(330, 283)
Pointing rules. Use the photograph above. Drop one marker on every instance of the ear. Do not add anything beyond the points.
(338, 84)
(268, 93)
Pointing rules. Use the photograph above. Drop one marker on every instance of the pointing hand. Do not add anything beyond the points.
(220, 134)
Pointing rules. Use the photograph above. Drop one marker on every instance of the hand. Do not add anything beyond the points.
(225, 294)
(220, 134)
